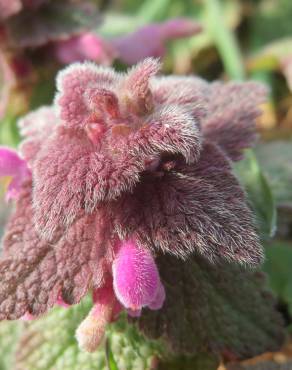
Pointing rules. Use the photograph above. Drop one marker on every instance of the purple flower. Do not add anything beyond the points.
(13, 166)
(149, 40)
(135, 278)
(125, 167)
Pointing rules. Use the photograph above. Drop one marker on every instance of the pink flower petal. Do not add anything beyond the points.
(12, 165)
(136, 278)
(179, 28)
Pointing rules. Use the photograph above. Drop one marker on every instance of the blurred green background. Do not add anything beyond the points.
(240, 40)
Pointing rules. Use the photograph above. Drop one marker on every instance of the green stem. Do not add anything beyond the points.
(225, 40)
(153, 10)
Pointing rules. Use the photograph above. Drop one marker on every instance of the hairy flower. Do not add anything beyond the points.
(122, 168)
(136, 278)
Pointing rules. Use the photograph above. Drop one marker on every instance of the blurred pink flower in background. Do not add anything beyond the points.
(149, 40)
(13, 166)
(11, 7)
(87, 46)
(8, 8)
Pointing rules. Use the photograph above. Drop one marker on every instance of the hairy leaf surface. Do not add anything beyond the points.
(194, 208)
(34, 272)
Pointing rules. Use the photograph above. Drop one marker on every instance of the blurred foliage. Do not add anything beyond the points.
(259, 194)
(275, 158)
(278, 266)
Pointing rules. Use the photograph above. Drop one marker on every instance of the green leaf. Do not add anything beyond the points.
(48, 343)
(269, 23)
(111, 362)
(222, 308)
(224, 39)
(203, 361)
(275, 159)
(263, 365)
(259, 194)
(9, 333)
(278, 267)
(8, 131)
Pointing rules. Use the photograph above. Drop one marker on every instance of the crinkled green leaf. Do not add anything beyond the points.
(262, 365)
(221, 308)
(9, 333)
(203, 361)
(54, 21)
(130, 349)
(259, 194)
(49, 344)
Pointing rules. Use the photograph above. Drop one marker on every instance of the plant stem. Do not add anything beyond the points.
(225, 40)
